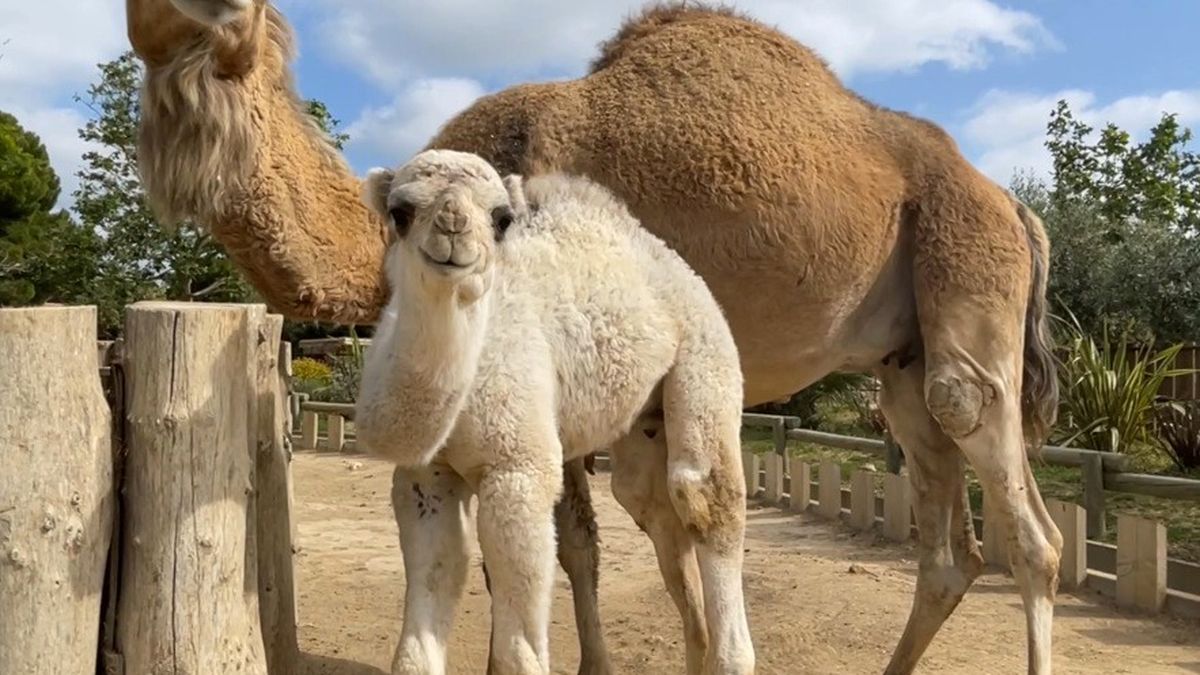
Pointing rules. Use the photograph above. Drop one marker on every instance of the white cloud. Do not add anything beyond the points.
(1008, 129)
(395, 40)
(391, 134)
(49, 50)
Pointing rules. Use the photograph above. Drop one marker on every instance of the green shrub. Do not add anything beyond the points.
(1109, 390)
(345, 375)
(1179, 433)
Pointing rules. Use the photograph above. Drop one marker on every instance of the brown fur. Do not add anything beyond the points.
(833, 232)
(225, 141)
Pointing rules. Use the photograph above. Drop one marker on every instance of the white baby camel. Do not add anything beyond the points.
(531, 323)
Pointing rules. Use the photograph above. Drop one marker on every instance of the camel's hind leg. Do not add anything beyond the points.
(949, 555)
(579, 555)
(639, 484)
(703, 418)
(979, 288)
(431, 508)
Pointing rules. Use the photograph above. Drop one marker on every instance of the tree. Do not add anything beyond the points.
(44, 255)
(328, 123)
(1124, 225)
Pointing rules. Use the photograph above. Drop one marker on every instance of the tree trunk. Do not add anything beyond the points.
(273, 502)
(188, 593)
(56, 495)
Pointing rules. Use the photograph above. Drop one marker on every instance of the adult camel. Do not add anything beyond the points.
(837, 235)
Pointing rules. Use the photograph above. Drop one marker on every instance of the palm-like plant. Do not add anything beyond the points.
(1110, 389)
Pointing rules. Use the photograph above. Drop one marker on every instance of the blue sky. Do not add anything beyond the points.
(988, 71)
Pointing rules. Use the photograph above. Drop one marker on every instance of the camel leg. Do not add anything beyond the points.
(516, 534)
(579, 556)
(957, 390)
(708, 491)
(431, 508)
(949, 555)
(639, 484)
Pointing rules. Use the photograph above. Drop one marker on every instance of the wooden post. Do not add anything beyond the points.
(995, 546)
(273, 502)
(829, 489)
(1071, 521)
(750, 463)
(1093, 495)
(308, 430)
(335, 432)
(897, 507)
(56, 492)
(188, 595)
(892, 449)
(862, 499)
(1141, 563)
(773, 492)
(801, 486)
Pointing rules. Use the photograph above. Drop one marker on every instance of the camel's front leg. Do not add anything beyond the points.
(431, 507)
(516, 535)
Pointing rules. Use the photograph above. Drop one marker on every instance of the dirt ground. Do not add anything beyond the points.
(809, 612)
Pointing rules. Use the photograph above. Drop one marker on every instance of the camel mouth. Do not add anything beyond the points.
(446, 266)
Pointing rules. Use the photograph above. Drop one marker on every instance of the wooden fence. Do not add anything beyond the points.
(1137, 571)
(145, 520)
(1138, 561)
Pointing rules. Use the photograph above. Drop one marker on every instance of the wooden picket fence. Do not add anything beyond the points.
(1136, 572)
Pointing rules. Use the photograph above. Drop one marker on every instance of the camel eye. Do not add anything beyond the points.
(402, 217)
(502, 218)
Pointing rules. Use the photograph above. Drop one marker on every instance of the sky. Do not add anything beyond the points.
(988, 71)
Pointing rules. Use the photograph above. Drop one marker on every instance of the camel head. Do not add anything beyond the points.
(163, 31)
(448, 212)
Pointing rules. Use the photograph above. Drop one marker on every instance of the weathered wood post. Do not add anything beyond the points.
(188, 599)
(1141, 563)
(862, 499)
(829, 489)
(56, 495)
(335, 432)
(800, 488)
(1093, 495)
(273, 500)
(309, 422)
(773, 489)
(750, 465)
(1070, 520)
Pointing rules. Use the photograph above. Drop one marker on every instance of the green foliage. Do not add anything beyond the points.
(28, 183)
(1123, 220)
(1179, 433)
(328, 123)
(44, 255)
(1109, 390)
(806, 403)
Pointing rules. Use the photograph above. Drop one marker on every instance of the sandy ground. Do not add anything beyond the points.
(809, 613)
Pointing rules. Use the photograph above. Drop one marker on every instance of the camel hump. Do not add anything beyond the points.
(654, 18)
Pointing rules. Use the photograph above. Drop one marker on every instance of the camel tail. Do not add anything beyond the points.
(1039, 381)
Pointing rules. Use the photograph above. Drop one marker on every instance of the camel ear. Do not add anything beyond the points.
(516, 195)
(375, 190)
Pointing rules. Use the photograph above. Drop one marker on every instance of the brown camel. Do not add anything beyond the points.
(837, 235)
